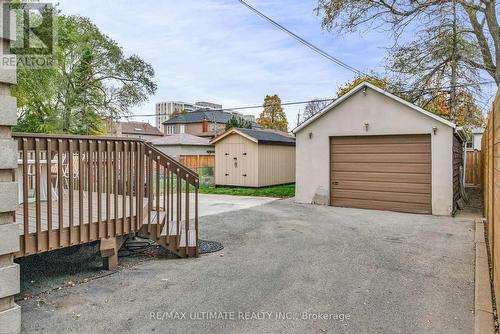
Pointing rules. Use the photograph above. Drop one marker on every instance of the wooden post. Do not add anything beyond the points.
(109, 248)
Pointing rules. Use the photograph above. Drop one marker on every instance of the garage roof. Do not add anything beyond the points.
(381, 91)
(260, 136)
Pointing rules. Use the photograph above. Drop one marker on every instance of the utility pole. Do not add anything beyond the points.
(298, 117)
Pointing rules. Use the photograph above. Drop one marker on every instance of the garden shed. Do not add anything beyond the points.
(373, 150)
(254, 158)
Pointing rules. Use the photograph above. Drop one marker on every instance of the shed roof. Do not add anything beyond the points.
(140, 128)
(362, 85)
(268, 137)
(181, 139)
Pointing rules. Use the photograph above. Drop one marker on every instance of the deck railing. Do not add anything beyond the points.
(79, 189)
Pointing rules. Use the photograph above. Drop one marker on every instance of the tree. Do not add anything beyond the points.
(381, 83)
(452, 43)
(91, 81)
(273, 116)
(467, 113)
(313, 107)
(238, 122)
(479, 17)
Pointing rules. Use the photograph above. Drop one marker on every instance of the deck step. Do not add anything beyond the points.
(154, 219)
(191, 238)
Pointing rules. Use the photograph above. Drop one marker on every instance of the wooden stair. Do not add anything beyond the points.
(168, 237)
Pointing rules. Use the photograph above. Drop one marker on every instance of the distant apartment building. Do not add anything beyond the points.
(208, 105)
(249, 118)
(164, 110)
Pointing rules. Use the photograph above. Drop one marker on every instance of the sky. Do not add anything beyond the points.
(219, 51)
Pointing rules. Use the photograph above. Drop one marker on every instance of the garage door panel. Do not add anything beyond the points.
(382, 148)
(379, 205)
(381, 177)
(417, 188)
(385, 196)
(390, 139)
(382, 172)
(383, 157)
(382, 167)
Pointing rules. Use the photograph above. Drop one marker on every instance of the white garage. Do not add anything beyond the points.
(370, 149)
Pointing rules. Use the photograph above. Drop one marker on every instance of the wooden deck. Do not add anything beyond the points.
(119, 211)
(76, 189)
(116, 214)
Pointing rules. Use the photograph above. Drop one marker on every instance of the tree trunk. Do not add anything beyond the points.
(494, 28)
(453, 78)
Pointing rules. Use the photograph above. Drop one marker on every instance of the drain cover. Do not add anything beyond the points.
(207, 246)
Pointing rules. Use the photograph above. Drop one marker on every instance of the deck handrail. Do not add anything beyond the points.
(193, 176)
(185, 169)
(69, 136)
(77, 189)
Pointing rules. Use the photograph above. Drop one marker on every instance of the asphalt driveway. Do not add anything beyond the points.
(286, 268)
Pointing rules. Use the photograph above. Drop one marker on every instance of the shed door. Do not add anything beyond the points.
(233, 163)
(381, 172)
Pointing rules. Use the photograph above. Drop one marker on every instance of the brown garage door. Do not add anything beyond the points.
(381, 172)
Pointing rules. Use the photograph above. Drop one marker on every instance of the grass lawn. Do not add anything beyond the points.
(280, 191)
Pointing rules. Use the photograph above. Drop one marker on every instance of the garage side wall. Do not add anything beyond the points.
(276, 164)
(247, 155)
(384, 117)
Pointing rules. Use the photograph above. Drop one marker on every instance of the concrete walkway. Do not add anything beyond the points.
(284, 266)
(214, 204)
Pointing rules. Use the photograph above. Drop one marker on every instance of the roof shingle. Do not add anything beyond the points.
(271, 137)
(139, 128)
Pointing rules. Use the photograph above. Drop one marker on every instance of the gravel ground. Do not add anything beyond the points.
(68, 267)
(474, 197)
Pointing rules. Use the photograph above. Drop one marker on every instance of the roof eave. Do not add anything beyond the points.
(232, 131)
(460, 131)
(271, 142)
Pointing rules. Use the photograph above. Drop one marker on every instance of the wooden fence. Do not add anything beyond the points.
(473, 168)
(491, 189)
(198, 162)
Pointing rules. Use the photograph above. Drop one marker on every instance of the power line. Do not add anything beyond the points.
(322, 99)
(441, 89)
(326, 54)
(304, 42)
(243, 107)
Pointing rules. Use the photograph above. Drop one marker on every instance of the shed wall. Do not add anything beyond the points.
(276, 164)
(247, 156)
